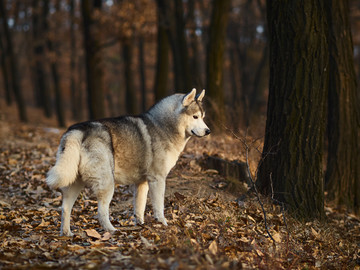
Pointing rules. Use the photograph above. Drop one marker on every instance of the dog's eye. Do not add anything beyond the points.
(195, 116)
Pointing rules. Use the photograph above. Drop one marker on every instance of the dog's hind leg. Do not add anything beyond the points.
(157, 194)
(140, 196)
(69, 193)
(104, 196)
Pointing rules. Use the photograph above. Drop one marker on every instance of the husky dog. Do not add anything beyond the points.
(129, 150)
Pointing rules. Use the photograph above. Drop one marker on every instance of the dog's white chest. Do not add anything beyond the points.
(170, 160)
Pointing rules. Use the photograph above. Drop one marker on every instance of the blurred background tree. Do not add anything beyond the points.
(91, 11)
(81, 59)
(11, 64)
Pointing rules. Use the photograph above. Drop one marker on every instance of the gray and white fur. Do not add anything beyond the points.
(129, 150)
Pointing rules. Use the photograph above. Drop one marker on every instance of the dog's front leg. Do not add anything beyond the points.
(141, 191)
(157, 193)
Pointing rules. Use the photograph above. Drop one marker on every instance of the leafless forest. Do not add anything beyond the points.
(139, 51)
(282, 82)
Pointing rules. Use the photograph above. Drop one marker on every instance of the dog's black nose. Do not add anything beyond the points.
(207, 131)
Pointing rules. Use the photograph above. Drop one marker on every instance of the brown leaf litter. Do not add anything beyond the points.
(207, 228)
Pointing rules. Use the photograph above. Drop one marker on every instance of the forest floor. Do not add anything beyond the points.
(208, 228)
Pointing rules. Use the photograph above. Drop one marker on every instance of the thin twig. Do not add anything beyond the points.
(257, 194)
(253, 183)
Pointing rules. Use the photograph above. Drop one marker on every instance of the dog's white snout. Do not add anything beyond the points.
(201, 133)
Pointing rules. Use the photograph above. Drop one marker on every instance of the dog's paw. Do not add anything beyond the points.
(139, 221)
(66, 233)
(163, 221)
(111, 229)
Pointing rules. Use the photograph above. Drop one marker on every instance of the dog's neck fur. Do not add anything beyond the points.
(160, 116)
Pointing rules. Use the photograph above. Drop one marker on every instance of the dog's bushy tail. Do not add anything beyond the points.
(65, 171)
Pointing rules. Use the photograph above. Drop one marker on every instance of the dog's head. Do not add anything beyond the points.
(194, 114)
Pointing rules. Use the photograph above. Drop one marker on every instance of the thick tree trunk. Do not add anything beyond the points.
(215, 57)
(343, 169)
(94, 71)
(13, 65)
(291, 165)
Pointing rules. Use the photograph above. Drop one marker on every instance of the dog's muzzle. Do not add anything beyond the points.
(207, 132)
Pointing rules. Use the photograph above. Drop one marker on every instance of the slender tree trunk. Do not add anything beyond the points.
(236, 109)
(257, 93)
(195, 67)
(291, 165)
(245, 85)
(94, 71)
(5, 71)
(76, 104)
(130, 95)
(13, 65)
(142, 74)
(53, 49)
(343, 164)
(42, 91)
(174, 17)
(215, 59)
(181, 46)
(59, 107)
(163, 48)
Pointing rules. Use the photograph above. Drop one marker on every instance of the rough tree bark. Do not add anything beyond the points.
(343, 169)
(291, 165)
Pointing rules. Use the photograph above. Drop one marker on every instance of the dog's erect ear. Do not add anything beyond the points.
(189, 98)
(200, 96)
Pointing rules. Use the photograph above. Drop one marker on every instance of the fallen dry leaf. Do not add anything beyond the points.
(314, 232)
(43, 224)
(213, 248)
(93, 233)
(106, 236)
(277, 237)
